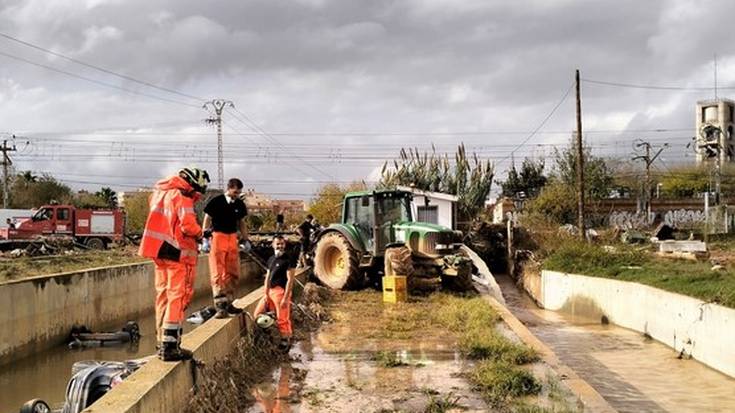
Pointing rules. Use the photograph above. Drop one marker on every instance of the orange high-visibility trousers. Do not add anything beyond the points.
(224, 264)
(174, 290)
(283, 313)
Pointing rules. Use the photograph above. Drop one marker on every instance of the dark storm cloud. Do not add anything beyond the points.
(366, 65)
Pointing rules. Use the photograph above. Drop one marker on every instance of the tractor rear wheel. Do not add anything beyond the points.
(335, 262)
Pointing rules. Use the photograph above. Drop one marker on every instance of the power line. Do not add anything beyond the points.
(254, 126)
(655, 87)
(541, 125)
(101, 69)
(97, 82)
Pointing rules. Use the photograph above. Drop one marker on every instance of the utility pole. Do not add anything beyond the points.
(649, 161)
(217, 105)
(580, 163)
(6, 163)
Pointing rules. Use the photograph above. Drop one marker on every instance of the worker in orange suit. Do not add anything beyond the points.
(170, 239)
(278, 290)
(224, 215)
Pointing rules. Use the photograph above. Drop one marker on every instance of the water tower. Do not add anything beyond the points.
(715, 131)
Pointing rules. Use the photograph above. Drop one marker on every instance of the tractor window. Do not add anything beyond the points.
(394, 209)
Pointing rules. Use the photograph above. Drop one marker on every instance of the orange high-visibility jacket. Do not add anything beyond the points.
(171, 230)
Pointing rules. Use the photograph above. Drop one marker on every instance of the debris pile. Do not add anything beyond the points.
(224, 386)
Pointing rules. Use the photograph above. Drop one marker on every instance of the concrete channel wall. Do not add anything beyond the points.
(160, 387)
(39, 312)
(704, 331)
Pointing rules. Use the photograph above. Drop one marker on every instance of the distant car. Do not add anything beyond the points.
(89, 382)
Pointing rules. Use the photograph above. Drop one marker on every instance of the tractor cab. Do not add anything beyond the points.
(375, 214)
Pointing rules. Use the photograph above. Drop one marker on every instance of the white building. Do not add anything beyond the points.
(433, 207)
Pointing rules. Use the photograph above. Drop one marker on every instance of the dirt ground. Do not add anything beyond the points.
(375, 357)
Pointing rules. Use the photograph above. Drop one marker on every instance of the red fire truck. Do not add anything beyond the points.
(94, 228)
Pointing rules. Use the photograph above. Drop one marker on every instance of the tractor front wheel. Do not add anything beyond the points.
(336, 263)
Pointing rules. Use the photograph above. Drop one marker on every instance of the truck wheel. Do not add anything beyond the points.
(95, 243)
(35, 406)
(398, 261)
(336, 263)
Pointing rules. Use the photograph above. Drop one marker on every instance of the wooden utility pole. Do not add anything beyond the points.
(580, 163)
(6, 163)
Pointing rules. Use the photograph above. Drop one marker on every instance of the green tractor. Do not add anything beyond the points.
(379, 224)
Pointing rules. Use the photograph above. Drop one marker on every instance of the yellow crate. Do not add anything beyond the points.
(395, 289)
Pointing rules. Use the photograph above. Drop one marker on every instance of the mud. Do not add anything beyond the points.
(350, 366)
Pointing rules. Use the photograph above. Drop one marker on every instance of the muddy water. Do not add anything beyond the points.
(321, 379)
(46, 375)
(633, 373)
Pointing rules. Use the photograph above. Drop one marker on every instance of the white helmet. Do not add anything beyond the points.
(265, 320)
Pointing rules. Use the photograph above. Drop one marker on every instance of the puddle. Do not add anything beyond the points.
(325, 378)
(633, 373)
(378, 358)
(46, 375)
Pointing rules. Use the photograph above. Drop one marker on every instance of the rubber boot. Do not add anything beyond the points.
(170, 349)
(232, 310)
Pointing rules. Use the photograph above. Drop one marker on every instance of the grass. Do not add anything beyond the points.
(500, 382)
(626, 263)
(388, 359)
(498, 374)
(18, 268)
(441, 404)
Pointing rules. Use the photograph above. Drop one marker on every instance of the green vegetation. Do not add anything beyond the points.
(528, 181)
(468, 177)
(626, 263)
(498, 374)
(501, 382)
(441, 404)
(326, 206)
(388, 359)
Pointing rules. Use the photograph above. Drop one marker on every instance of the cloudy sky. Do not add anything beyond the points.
(325, 90)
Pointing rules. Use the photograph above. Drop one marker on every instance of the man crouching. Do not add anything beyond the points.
(279, 281)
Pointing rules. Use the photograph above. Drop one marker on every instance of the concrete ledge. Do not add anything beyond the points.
(706, 331)
(40, 311)
(160, 387)
(592, 400)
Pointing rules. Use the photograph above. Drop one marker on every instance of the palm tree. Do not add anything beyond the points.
(28, 177)
(108, 195)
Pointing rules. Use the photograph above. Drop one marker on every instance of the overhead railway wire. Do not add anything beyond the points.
(250, 123)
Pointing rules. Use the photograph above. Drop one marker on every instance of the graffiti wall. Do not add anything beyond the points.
(720, 220)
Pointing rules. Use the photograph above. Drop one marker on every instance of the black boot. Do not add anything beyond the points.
(170, 349)
(232, 310)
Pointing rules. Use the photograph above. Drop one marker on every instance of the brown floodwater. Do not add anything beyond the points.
(632, 372)
(323, 377)
(46, 375)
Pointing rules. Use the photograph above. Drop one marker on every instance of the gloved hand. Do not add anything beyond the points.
(207, 233)
(245, 246)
